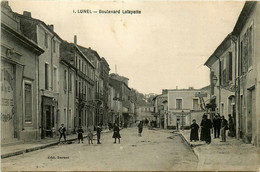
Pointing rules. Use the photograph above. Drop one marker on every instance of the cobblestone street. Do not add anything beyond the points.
(156, 150)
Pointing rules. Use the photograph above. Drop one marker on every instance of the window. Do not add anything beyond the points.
(247, 50)
(230, 65)
(46, 76)
(178, 103)
(46, 40)
(54, 46)
(70, 81)
(28, 102)
(65, 80)
(55, 79)
(195, 104)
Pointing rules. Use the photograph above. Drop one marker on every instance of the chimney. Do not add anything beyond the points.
(27, 14)
(75, 39)
(51, 27)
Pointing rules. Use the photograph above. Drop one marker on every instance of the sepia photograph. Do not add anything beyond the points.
(129, 85)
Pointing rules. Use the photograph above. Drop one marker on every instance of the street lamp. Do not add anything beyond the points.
(214, 80)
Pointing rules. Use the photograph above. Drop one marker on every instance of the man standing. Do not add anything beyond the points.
(224, 127)
(206, 125)
(62, 131)
(98, 133)
(216, 126)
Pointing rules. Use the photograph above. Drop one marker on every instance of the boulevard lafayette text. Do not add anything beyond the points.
(88, 11)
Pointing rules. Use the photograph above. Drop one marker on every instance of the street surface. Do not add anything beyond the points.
(155, 150)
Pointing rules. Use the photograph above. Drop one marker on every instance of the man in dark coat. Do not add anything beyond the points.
(80, 134)
(62, 131)
(206, 125)
(194, 134)
(216, 125)
(98, 133)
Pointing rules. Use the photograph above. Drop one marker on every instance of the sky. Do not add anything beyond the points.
(163, 47)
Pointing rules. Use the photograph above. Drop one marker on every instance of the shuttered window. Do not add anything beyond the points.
(28, 102)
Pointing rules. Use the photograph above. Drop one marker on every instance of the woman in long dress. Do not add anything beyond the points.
(116, 134)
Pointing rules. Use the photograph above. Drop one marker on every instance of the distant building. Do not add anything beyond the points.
(19, 81)
(160, 104)
(145, 112)
(184, 106)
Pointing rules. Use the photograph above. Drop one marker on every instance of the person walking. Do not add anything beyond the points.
(80, 134)
(206, 125)
(99, 129)
(62, 131)
(140, 128)
(116, 133)
(202, 130)
(224, 127)
(231, 126)
(90, 136)
(194, 134)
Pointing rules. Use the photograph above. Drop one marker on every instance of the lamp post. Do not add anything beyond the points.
(214, 82)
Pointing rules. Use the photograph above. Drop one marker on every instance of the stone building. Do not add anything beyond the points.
(85, 86)
(247, 39)
(45, 37)
(67, 96)
(19, 80)
(160, 104)
(183, 106)
(222, 77)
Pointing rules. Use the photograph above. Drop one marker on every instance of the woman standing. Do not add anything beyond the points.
(194, 134)
(140, 128)
(116, 134)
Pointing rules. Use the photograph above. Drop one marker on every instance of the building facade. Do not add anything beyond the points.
(19, 80)
(183, 106)
(160, 104)
(48, 70)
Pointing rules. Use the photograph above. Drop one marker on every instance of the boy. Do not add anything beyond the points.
(62, 131)
(98, 133)
(90, 136)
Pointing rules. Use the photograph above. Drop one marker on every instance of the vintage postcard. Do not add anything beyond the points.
(130, 85)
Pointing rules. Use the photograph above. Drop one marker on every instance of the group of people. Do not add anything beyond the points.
(80, 131)
(220, 125)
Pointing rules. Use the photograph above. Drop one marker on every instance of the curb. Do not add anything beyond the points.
(189, 145)
(7, 155)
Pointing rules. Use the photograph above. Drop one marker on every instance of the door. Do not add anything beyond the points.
(48, 124)
(7, 101)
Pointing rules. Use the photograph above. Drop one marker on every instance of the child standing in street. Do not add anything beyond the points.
(90, 136)
(62, 131)
(80, 134)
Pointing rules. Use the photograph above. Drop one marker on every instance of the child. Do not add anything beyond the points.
(80, 134)
(90, 136)
(62, 131)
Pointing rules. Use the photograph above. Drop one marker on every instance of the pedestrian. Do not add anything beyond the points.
(62, 131)
(224, 127)
(140, 128)
(216, 126)
(206, 125)
(116, 134)
(194, 134)
(90, 136)
(99, 129)
(231, 126)
(201, 131)
(80, 134)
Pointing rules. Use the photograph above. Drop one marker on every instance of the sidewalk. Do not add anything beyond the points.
(20, 148)
(230, 155)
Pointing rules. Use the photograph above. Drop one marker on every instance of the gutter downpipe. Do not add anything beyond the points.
(237, 88)
(219, 89)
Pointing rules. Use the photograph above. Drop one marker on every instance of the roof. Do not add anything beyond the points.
(243, 17)
(38, 22)
(89, 51)
(83, 51)
(224, 45)
(67, 51)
